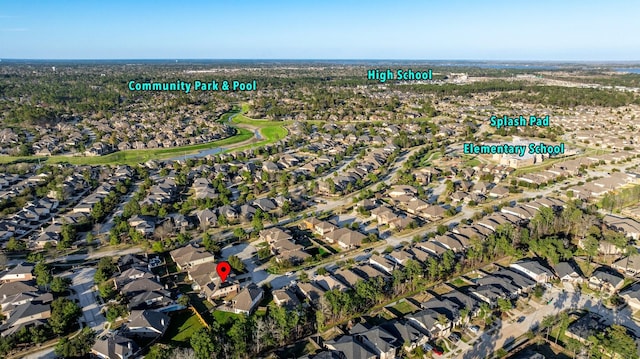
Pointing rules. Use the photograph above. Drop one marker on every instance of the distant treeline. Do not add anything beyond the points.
(569, 97)
(462, 90)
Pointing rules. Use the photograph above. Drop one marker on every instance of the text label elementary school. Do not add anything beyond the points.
(400, 75)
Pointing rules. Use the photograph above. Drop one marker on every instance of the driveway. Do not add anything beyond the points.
(82, 283)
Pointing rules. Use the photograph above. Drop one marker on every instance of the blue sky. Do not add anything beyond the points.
(458, 29)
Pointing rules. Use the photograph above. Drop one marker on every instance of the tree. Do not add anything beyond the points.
(331, 185)
(63, 313)
(239, 233)
(39, 334)
(115, 311)
(59, 284)
(159, 351)
(78, 346)
(182, 353)
(106, 290)
(14, 245)
(485, 310)
(43, 275)
(616, 339)
(264, 253)
(105, 269)
(203, 344)
(68, 236)
(590, 245)
(98, 211)
(504, 305)
(183, 300)
(547, 323)
(236, 263)
(256, 221)
(573, 345)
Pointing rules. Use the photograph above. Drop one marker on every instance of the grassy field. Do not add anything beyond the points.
(182, 326)
(271, 131)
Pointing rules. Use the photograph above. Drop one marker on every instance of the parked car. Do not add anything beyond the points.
(454, 337)
(427, 347)
(474, 329)
(521, 319)
(437, 351)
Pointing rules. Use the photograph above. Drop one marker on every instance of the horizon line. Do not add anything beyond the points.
(322, 59)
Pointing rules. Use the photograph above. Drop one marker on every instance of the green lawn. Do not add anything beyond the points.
(182, 326)
(459, 282)
(224, 317)
(404, 308)
(271, 131)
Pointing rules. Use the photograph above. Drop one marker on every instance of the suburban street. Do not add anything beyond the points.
(82, 284)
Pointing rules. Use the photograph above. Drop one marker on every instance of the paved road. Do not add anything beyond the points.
(96, 255)
(107, 224)
(82, 283)
(43, 354)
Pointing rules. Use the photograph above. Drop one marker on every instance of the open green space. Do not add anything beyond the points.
(182, 326)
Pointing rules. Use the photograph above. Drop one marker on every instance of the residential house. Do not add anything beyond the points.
(145, 293)
(569, 272)
(274, 234)
(405, 333)
(383, 263)
(384, 344)
(31, 313)
(589, 325)
(434, 323)
(345, 237)
(22, 272)
(463, 301)
(351, 348)
(433, 212)
(348, 277)
(207, 218)
(147, 324)
(329, 282)
(130, 275)
(114, 347)
(323, 228)
(248, 299)
(629, 265)
(285, 298)
(190, 256)
(311, 291)
(143, 224)
(630, 227)
(606, 280)
(631, 295)
(534, 270)
(370, 272)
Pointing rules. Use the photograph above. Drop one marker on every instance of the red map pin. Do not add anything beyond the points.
(223, 269)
